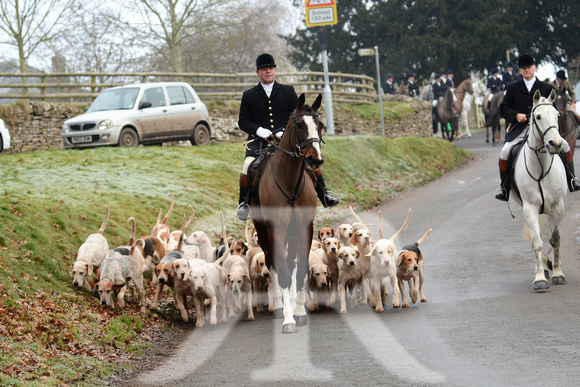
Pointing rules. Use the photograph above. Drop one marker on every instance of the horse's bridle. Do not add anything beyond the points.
(540, 133)
(537, 150)
(298, 151)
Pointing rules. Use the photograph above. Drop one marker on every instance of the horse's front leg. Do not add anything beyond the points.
(532, 221)
(276, 301)
(554, 254)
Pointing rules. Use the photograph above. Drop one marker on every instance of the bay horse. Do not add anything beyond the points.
(491, 112)
(567, 122)
(541, 188)
(461, 92)
(446, 113)
(284, 207)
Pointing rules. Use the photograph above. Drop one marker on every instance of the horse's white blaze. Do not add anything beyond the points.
(313, 134)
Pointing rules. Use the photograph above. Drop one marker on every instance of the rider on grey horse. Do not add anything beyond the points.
(516, 108)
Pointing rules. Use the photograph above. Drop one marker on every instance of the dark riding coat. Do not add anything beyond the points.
(389, 88)
(508, 77)
(257, 110)
(519, 100)
(413, 89)
(439, 90)
(494, 84)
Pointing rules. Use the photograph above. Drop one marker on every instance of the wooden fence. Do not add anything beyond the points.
(82, 88)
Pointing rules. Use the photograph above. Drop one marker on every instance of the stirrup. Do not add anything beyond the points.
(574, 184)
(330, 201)
(502, 194)
(243, 212)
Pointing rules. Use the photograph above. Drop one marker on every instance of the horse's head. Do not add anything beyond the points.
(450, 96)
(544, 122)
(304, 132)
(469, 85)
(561, 102)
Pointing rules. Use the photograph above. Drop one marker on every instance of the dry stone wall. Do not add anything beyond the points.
(37, 126)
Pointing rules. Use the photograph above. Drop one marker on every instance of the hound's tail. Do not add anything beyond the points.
(104, 222)
(403, 227)
(424, 237)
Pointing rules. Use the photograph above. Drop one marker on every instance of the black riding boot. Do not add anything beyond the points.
(573, 182)
(503, 193)
(320, 186)
(244, 208)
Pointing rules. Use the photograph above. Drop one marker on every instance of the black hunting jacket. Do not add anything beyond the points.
(257, 110)
(519, 100)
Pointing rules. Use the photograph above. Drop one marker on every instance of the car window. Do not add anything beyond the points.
(179, 95)
(115, 99)
(155, 96)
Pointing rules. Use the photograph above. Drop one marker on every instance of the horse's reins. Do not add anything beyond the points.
(537, 151)
(300, 184)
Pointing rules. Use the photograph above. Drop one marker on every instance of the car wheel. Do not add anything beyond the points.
(128, 138)
(200, 135)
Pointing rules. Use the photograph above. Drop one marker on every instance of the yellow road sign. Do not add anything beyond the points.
(320, 12)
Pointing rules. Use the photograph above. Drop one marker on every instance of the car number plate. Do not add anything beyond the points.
(81, 139)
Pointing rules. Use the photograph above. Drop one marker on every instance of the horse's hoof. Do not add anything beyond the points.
(541, 285)
(278, 313)
(289, 328)
(559, 280)
(301, 320)
(486, 140)
(549, 264)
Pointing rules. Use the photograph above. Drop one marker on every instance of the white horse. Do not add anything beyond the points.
(479, 92)
(464, 116)
(541, 180)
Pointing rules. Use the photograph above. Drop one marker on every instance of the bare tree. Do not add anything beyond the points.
(95, 40)
(31, 23)
(241, 31)
(166, 23)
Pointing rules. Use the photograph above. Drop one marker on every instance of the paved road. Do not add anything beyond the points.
(483, 325)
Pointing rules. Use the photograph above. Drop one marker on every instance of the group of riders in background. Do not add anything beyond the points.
(495, 84)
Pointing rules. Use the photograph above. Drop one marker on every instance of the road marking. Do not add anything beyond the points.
(387, 350)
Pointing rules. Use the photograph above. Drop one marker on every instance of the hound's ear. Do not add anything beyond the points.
(317, 103)
(89, 269)
(400, 258)
(186, 275)
(257, 269)
(247, 279)
(353, 238)
(552, 96)
(332, 233)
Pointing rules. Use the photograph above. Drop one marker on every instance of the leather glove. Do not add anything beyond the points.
(264, 133)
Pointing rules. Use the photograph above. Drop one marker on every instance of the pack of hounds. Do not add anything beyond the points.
(345, 263)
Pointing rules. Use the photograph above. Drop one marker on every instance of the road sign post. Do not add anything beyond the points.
(370, 52)
(322, 13)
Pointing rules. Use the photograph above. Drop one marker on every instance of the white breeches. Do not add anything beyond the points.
(507, 147)
(247, 163)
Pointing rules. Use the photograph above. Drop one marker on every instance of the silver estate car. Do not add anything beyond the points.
(145, 113)
(4, 136)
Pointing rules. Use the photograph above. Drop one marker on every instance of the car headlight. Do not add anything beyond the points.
(105, 124)
(65, 128)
